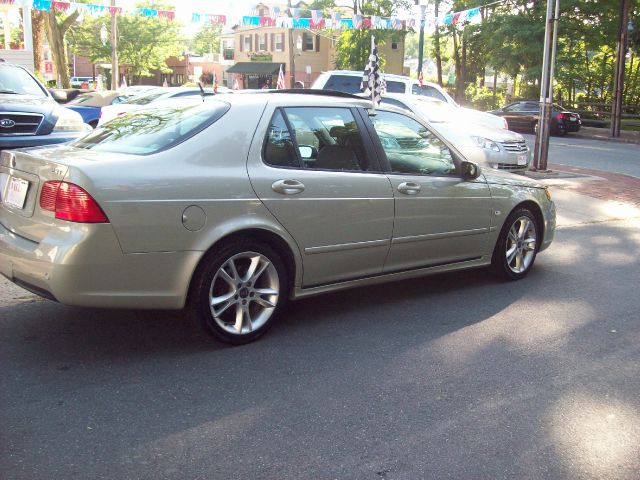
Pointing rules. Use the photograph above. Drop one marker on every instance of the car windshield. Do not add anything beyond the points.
(434, 111)
(146, 98)
(15, 80)
(351, 84)
(152, 130)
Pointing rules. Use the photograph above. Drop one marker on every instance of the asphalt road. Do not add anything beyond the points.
(457, 376)
(595, 154)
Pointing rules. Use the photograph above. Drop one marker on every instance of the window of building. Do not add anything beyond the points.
(246, 43)
(307, 42)
(394, 45)
(279, 42)
(262, 42)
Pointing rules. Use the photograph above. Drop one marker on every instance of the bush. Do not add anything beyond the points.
(481, 98)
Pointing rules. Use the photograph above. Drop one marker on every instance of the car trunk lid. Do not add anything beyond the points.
(22, 174)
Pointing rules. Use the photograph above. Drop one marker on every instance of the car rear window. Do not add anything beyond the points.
(150, 131)
(351, 84)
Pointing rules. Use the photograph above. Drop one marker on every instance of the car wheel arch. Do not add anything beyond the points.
(535, 209)
(273, 240)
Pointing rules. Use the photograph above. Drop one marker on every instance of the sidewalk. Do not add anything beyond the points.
(626, 136)
(583, 195)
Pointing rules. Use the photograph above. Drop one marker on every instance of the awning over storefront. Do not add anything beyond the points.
(255, 68)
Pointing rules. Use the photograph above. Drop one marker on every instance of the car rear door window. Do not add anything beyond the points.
(322, 138)
(279, 149)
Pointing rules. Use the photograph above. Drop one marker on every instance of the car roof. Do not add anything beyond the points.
(387, 76)
(410, 98)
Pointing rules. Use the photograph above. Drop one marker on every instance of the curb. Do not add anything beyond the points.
(591, 133)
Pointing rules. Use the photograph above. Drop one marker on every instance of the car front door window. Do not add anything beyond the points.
(411, 147)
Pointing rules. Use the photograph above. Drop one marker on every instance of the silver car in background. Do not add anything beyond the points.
(234, 205)
(494, 147)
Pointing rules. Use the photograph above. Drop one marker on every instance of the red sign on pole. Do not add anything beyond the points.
(48, 67)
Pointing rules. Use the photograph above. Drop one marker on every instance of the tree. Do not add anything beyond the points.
(144, 43)
(207, 40)
(57, 26)
(38, 22)
(354, 46)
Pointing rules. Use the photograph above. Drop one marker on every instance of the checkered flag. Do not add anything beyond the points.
(371, 79)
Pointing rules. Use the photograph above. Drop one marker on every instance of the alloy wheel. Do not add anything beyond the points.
(244, 293)
(521, 244)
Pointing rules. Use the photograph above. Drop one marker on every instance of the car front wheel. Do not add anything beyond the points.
(517, 245)
(240, 291)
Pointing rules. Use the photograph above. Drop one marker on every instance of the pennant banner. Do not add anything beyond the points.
(275, 18)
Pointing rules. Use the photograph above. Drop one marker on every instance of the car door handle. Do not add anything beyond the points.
(287, 187)
(409, 188)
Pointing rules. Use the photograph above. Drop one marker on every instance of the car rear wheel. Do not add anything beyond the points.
(517, 245)
(240, 291)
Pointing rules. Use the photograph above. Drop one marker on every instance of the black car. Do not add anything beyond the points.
(523, 115)
(29, 116)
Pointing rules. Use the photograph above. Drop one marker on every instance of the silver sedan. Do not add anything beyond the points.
(480, 142)
(234, 206)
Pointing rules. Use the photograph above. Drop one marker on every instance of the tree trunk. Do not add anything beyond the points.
(495, 89)
(436, 44)
(462, 80)
(38, 29)
(56, 42)
(458, 64)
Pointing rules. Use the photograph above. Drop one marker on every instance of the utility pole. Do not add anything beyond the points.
(115, 70)
(541, 151)
(421, 39)
(618, 75)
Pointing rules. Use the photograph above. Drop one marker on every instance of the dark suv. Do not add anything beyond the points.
(29, 116)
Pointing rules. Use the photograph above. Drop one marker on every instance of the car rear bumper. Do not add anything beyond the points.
(569, 127)
(84, 265)
(20, 141)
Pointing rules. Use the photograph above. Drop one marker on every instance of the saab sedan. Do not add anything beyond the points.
(233, 206)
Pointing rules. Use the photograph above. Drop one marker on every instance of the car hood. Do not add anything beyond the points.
(461, 133)
(500, 177)
(26, 103)
(485, 118)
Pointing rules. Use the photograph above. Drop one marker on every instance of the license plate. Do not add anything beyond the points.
(16, 192)
(522, 159)
(572, 119)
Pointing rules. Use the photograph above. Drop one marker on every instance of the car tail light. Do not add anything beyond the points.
(560, 116)
(71, 202)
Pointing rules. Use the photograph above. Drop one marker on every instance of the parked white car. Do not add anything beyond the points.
(348, 81)
(495, 147)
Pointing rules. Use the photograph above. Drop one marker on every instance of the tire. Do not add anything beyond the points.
(517, 245)
(234, 305)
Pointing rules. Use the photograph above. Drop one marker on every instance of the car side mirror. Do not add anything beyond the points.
(469, 170)
(307, 152)
(59, 96)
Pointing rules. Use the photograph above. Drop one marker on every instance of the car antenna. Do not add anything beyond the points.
(201, 90)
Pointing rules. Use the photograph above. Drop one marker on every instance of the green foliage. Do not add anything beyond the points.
(482, 98)
(144, 43)
(354, 46)
(207, 40)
